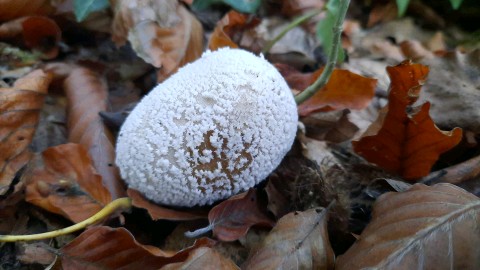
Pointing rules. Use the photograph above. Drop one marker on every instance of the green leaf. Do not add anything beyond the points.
(456, 3)
(402, 7)
(83, 8)
(245, 6)
(325, 29)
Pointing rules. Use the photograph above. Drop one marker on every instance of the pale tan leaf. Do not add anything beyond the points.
(162, 32)
(423, 228)
(203, 258)
(298, 241)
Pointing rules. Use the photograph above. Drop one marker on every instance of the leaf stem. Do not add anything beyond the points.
(332, 57)
(289, 27)
(121, 203)
(199, 232)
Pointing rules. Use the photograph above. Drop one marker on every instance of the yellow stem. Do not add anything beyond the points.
(121, 203)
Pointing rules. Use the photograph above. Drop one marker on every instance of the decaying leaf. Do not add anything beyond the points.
(162, 32)
(298, 241)
(344, 90)
(423, 228)
(62, 180)
(405, 143)
(108, 248)
(19, 115)
(39, 33)
(87, 96)
(157, 212)
(12, 9)
(203, 258)
(232, 219)
(229, 29)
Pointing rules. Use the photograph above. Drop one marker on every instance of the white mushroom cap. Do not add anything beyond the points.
(217, 127)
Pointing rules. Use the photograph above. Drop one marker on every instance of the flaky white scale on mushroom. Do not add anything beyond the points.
(217, 127)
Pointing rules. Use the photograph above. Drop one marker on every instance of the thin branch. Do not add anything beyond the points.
(121, 203)
(289, 27)
(332, 57)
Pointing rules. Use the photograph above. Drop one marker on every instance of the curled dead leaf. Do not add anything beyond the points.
(231, 219)
(425, 227)
(39, 33)
(162, 32)
(109, 248)
(298, 241)
(62, 180)
(87, 95)
(157, 212)
(229, 29)
(19, 116)
(401, 142)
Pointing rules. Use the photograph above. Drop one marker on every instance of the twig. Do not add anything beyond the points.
(200, 231)
(289, 27)
(121, 203)
(456, 174)
(332, 57)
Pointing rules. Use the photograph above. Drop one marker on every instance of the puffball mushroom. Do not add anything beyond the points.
(217, 127)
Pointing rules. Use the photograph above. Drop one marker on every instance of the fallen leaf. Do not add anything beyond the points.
(87, 96)
(231, 219)
(403, 143)
(39, 33)
(298, 241)
(344, 90)
(62, 180)
(19, 116)
(296, 7)
(229, 29)
(162, 32)
(278, 202)
(12, 9)
(109, 248)
(423, 228)
(157, 212)
(203, 258)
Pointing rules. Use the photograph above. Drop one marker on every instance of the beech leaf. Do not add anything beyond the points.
(19, 115)
(87, 95)
(231, 219)
(162, 32)
(12, 9)
(298, 241)
(203, 258)
(405, 143)
(108, 248)
(157, 212)
(62, 180)
(423, 228)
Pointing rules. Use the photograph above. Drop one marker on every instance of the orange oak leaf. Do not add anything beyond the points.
(344, 90)
(157, 212)
(404, 140)
(62, 180)
(232, 24)
(19, 115)
(103, 247)
(232, 219)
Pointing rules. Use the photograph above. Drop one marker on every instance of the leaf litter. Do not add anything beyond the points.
(282, 223)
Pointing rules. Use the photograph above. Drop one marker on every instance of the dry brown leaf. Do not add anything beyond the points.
(62, 180)
(423, 228)
(162, 32)
(344, 90)
(403, 143)
(298, 241)
(231, 25)
(87, 95)
(231, 219)
(108, 248)
(157, 212)
(12, 9)
(203, 258)
(19, 116)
